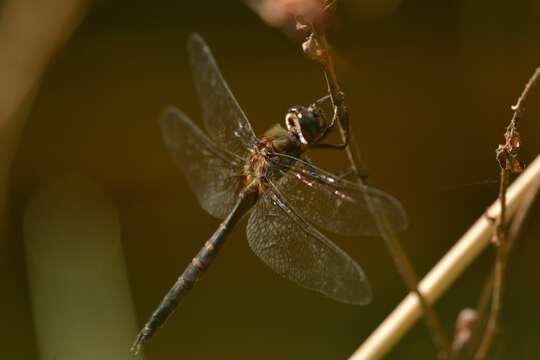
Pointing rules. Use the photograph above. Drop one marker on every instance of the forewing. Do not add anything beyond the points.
(333, 203)
(212, 173)
(224, 120)
(297, 251)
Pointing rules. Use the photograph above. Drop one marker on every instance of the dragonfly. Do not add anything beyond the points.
(234, 174)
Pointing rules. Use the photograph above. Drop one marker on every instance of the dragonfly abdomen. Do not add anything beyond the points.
(195, 269)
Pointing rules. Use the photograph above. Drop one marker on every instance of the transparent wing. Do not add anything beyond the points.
(297, 251)
(333, 203)
(212, 173)
(224, 120)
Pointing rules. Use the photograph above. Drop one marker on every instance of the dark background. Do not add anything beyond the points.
(429, 86)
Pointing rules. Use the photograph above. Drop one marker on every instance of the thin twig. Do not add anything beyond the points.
(509, 163)
(317, 47)
(519, 107)
(498, 274)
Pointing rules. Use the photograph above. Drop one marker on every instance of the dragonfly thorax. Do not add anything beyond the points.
(256, 165)
(306, 123)
(265, 158)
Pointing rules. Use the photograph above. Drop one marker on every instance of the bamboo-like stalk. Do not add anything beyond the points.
(446, 271)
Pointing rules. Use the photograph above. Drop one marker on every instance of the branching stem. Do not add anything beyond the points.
(509, 163)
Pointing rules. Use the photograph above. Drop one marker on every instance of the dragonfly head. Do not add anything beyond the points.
(306, 123)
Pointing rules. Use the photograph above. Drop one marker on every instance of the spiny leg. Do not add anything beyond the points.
(332, 123)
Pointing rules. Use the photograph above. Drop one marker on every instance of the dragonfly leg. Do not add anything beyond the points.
(335, 115)
(326, 98)
(332, 123)
(320, 101)
(339, 146)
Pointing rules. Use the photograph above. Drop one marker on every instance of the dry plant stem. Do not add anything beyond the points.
(521, 215)
(513, 234)
(447, 270)
(392, 242)
(498, 275)
(507, 157)
(519, 107)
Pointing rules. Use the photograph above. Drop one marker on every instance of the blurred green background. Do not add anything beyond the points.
(429, 85)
